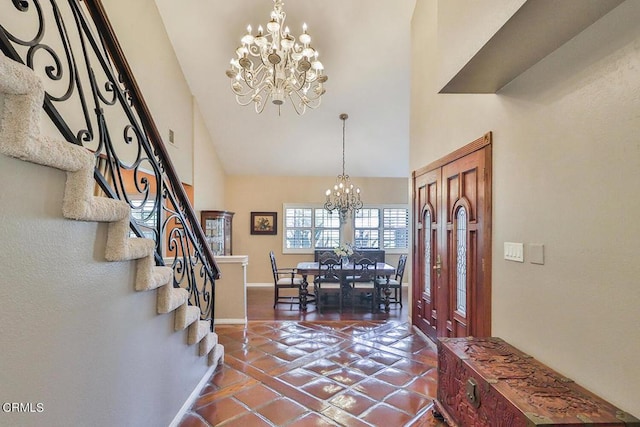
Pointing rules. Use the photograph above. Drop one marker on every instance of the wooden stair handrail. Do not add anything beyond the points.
(99, 15)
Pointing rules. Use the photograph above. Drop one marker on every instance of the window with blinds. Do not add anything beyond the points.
(382, 228)
(307, 228)
(146, 216)
(395, 226)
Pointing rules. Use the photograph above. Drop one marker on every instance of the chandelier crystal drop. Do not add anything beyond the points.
(345, 197)
(273, 66)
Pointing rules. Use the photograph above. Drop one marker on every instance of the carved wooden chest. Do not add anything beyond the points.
(487, 382)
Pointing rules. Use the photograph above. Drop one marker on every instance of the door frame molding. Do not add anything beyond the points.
(482, 321)
(475, 145)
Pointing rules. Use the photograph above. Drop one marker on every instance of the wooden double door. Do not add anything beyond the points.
(452, 243)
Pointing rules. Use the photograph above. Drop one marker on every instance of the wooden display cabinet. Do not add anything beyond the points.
(217, 229)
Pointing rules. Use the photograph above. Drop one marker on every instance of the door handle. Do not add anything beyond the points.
(438, 266)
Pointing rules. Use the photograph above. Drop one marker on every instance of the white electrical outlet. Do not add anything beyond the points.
(514, 251)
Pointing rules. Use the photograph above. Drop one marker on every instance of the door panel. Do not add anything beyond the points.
(426, 206)
(460, 246)
(463, 178)
(457, 303)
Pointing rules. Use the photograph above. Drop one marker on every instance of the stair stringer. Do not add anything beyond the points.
(20, 137)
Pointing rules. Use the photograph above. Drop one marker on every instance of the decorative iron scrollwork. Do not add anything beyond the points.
(21, 5)
(93, 100)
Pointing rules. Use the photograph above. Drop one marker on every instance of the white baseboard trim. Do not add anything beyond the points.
(192, 397)
(230, 321)
(259, 285)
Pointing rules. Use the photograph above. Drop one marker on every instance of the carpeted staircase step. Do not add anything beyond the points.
(125, 248)
(20, 118)
(159, 276)
(138, 247)
(198, 330)
(121, 247)
(170, 298)
(185, 315)
(149, 276)
(208, 342)
(216, 356)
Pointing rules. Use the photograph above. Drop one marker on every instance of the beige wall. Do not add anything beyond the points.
(245, 194)
(231, 290)
(83, 336)
(459, 18)
(147, 48)
(169, 97)
(208, 172)
(566, 164)
(76, 336)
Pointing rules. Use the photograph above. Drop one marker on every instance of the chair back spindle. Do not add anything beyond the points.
(284, 278)
(328, 281)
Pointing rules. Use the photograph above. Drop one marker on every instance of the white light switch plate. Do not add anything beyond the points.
(514, 251)
(536, 253)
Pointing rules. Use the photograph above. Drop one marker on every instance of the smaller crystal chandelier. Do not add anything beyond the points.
(345, 198)
(282, 69)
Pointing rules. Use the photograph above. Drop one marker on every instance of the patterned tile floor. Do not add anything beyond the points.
(340, 373)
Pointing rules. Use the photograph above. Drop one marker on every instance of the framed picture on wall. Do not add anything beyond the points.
(264, 223)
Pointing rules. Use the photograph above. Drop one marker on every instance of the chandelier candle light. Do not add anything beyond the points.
(345, 198)
(281, 68)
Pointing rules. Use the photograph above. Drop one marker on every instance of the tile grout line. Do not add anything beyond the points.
(352, 333)
(344, 345)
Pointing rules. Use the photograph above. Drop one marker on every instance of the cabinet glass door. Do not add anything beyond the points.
(215, 235)
(217, 229)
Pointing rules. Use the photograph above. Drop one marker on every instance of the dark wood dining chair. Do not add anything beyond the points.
(361, 282)
(328, 281)
(395, 283)
(284, 278)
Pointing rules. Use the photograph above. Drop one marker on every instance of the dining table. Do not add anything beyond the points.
(308, 268)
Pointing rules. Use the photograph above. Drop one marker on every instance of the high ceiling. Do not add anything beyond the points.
(364, 46)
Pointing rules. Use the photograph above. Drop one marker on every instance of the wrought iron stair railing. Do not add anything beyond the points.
(93, 100)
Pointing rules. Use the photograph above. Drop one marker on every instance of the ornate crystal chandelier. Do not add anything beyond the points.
(345, 198)
(280, 69)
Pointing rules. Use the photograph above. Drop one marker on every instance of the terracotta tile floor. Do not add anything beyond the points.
(336, 373)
